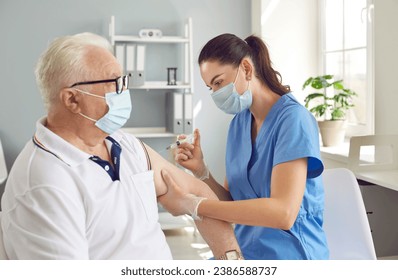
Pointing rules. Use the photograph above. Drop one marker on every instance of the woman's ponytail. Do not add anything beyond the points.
(263, 65)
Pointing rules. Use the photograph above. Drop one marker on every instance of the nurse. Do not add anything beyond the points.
(273, 189)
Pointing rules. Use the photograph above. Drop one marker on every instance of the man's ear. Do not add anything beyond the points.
(248, 68)
(70, 99)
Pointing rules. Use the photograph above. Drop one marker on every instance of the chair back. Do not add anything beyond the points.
(384, 145)
(3, 255)
(345, 220)
(3, 167)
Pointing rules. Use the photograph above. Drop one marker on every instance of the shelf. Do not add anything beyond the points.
(163, 39)
(133, 60)
(160, 85)
(149, 132)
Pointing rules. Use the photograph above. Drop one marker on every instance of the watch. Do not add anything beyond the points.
(231, 255)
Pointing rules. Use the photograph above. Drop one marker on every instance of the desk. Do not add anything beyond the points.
(3, 167)
(334, 157)
(384, 178)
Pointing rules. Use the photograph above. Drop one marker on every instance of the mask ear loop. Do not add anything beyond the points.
(236, 77)
(87, 117)
(248, 82)
(89, 94)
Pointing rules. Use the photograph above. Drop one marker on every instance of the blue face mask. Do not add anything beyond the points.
(230, 101)
(119, 111)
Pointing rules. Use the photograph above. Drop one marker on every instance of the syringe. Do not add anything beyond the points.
(188, 138)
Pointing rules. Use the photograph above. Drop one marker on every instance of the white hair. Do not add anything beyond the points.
(63, 62)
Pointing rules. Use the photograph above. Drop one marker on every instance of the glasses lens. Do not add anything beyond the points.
(122, 83)
(126, 81)
(119, 85)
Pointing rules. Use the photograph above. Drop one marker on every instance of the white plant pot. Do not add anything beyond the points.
(332, 132)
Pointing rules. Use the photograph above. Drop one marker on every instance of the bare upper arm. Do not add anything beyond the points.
(288, 182)
(186, 181)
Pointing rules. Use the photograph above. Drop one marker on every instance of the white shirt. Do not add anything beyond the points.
(59, 204)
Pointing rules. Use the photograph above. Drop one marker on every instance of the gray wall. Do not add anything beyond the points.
(386, 66)
(26, 27)
(287, 24)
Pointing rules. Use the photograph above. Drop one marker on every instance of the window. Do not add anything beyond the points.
(346, 52)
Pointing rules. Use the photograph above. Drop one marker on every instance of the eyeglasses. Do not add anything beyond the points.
(121, 82)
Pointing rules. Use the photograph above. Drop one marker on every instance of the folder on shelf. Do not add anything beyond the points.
(188, 125)
(130, 58)
(119, 53)
(139, 72)
(174, 112)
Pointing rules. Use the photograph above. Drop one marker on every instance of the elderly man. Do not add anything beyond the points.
(82, 188)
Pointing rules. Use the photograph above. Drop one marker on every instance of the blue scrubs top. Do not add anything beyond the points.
(289, 132)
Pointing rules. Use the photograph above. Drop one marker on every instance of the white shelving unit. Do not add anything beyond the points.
(163, 39)
(148, 132)
(185, 84)
(161, 85)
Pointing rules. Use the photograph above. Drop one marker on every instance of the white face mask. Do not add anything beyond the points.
(230, 101)
(119, 110)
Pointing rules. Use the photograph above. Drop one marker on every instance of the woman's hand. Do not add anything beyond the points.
(176, 201)
(190, 156)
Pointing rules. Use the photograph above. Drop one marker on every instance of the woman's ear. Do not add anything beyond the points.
(70, 99)
(248, 68)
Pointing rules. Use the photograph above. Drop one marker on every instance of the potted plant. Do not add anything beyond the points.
(329, 103)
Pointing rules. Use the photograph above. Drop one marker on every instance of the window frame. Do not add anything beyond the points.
(368, 127)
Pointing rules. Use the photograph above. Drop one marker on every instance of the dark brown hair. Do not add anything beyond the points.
(230, 49)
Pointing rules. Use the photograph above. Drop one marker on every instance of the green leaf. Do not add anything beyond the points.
(337, 114)
(319, 110)
(338, 85)
(350, 92)
(328, 77)
(316, 83)
(314, 95)
(307, 82)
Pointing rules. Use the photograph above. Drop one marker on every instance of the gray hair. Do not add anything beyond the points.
(63, 61)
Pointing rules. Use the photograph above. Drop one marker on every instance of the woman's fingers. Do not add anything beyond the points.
(186, 145)
(167, 179)
(172, 200)
(182, 153)
(196, 137)
(182, 157)
(186, 152)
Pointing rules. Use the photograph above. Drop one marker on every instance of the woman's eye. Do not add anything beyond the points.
(217, 83)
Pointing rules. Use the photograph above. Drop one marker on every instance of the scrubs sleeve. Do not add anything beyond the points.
(298, 137)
